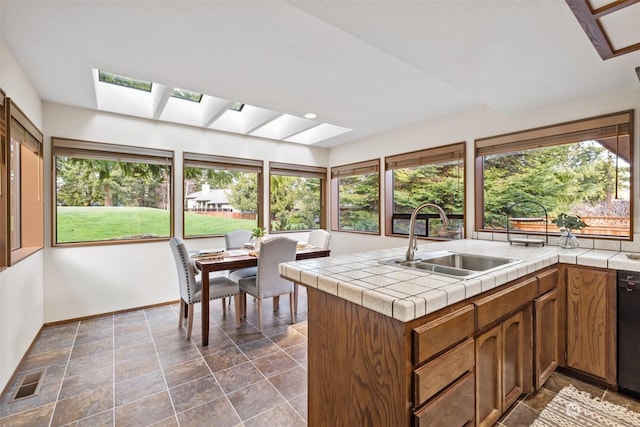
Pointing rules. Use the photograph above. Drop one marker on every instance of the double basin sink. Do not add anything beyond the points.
(456, 264)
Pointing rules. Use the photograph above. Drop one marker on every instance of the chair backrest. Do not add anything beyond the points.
(273, 252)
(236, 238)
(319, 238)
(186, 276)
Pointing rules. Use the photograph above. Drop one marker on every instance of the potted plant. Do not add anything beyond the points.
(257, 234)
(567, 223)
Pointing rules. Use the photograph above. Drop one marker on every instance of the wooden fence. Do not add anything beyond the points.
(602, 225)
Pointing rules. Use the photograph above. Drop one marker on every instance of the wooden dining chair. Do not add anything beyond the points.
(268, 283)
(191, 288)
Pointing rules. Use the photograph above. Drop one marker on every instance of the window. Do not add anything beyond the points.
(356, 197)
(117, 79)
(25, 187)
(435, 175)
(221, 194)
(581, 168)
(296, 195)
(110, 193)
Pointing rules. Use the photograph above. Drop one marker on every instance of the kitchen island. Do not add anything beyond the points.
(390, 345)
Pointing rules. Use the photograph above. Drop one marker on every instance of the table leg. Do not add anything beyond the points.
(205, 307)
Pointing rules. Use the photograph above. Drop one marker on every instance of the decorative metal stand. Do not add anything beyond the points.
(528, 240)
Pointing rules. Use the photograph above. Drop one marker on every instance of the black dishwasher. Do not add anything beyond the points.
(628, 296)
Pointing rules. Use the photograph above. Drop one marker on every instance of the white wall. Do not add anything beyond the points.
(21, 286)
(467, 126)
(85, 281)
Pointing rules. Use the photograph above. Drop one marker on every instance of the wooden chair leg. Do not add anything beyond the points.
(236, 299)
(260, 315)
(276, 302)
(292, 305)
(189, 321)
(295, 297)
(224, 308)
(182, 313)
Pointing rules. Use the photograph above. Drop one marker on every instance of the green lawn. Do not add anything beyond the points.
(200, 225)
(90, 224)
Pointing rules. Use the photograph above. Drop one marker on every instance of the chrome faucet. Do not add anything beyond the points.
(413, 244)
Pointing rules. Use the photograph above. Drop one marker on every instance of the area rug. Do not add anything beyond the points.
(572, 407)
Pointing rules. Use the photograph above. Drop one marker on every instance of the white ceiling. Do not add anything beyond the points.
(371, 66)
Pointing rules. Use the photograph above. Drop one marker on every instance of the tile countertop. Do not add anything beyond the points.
(406, 294)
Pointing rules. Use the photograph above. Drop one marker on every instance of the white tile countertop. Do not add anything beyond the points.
(406, 294)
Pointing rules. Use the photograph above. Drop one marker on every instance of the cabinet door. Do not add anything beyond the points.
(590, 345)
(488, 377)
(516, 352)
(546, 336)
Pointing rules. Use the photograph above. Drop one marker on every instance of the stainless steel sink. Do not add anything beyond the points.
(455, 264)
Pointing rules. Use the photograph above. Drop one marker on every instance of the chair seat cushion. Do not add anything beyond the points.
(219, 287)
(241, 273)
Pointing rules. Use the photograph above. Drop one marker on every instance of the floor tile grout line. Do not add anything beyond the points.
(64, 374)
(164, 377)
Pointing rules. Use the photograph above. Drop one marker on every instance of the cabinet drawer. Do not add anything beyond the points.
(454, 407)
(493, 307)
(547, 281)
(440, 334)
(431, 378)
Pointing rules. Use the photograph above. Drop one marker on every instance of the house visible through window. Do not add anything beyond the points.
(221, 194)
(296, 195)
(435, 175)
(110, 193)
(581, 168)
(356, 197)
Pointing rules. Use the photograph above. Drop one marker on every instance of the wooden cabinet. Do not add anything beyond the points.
(503, 366)
(546, 336)
(444, 375)
(591, 322)
(488, 367)
(503, 352)
(463, 365)
(516, 356)
(453, 407)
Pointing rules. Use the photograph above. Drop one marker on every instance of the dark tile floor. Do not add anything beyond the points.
(137, 369)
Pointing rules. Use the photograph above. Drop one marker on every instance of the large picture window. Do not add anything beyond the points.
(296, 195)
(221, 194)
(435, 175)
(355, 195)
(110, 193)
(582, 168)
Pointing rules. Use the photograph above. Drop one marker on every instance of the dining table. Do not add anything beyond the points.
(234, 259)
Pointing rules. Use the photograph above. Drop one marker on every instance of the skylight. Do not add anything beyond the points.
(156, 101)
(186, 94)
(120, 80)
(237, 106)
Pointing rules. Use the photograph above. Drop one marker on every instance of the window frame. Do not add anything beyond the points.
(591, 128)
(291, 169)
(31, 209)
(72, 147)
(349, 170)
(429, 156)
(212, 161)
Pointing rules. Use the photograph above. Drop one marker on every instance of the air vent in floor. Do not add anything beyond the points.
(29, 386)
